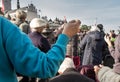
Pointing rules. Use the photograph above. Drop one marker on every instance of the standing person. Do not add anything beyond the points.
(93, 45)
(76, 56)
(38, 24)
(21, 21)
(20, 55)
(24, 26)
(100, 26)
(106, 74)
(112, 36)
(115, 52)
(48, 33)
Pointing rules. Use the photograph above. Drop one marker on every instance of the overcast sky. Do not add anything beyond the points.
(106, 12)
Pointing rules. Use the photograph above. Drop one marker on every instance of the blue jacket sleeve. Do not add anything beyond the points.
(29, 60)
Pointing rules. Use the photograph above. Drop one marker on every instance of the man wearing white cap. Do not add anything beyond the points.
(37, 25)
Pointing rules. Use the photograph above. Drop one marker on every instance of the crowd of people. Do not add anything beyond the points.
(36, 53)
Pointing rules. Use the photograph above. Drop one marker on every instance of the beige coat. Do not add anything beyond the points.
(106, 74)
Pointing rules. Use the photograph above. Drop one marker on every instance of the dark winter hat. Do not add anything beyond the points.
(71, 76)
(100, 26)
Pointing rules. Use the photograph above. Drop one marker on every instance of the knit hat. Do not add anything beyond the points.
(100, 26)
(37, 23)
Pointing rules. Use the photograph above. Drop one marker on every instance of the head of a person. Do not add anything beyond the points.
(112, 31)
(112, 34)
(100, 26)
(87, 70)
(38, 24)
(20, 14)
(46, 31)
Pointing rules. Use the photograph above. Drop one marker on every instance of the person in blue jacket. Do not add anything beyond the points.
(18, 54)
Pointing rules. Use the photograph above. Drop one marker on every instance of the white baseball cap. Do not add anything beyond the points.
(37, 23)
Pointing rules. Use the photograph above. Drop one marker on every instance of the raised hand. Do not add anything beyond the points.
(71, 28)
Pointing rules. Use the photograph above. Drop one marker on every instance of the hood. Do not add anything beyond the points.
(96, 35)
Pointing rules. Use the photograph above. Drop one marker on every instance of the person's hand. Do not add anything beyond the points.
(97, 68)
(107, 39)
(71, 28)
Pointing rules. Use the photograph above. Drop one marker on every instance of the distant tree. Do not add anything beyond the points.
(85, 27)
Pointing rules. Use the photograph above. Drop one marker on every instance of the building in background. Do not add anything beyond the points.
(30, 9)
(5, 5)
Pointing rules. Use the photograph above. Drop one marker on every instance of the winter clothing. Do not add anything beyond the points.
(19, 54)
(39, 41)
(105, 74)
(21, 22)
(23, 25)
(93, 46)
(116, 55)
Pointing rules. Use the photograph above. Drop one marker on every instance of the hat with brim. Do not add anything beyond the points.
(37, 23)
